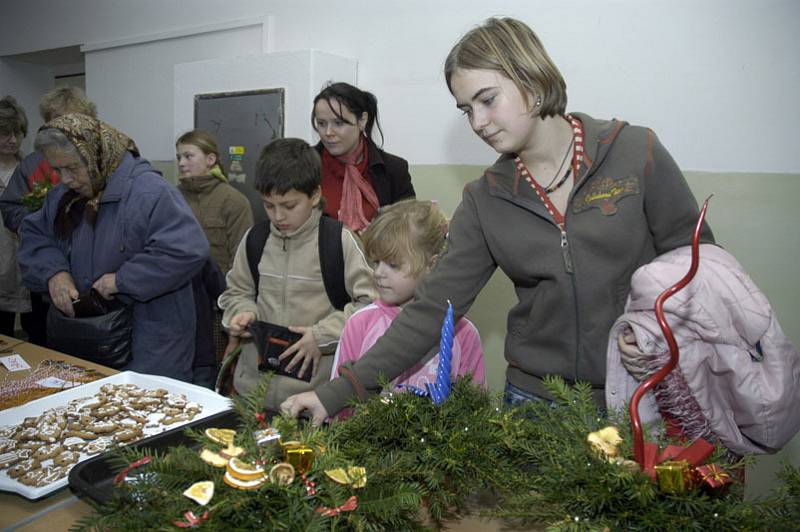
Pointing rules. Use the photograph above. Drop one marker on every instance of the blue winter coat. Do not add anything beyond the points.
(147, 234)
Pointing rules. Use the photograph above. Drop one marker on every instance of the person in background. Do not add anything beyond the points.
(14, 296)
(403, 243)
(18, 199)
(358, 177)
(225, 216)
(570, 209)
(223, 212)
(290, 290)
(115, 225)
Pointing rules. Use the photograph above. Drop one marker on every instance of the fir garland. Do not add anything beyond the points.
(530, 466)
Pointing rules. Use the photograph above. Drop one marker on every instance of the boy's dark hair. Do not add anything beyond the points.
(287, 164)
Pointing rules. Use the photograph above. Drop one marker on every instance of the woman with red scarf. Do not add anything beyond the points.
(357, 176)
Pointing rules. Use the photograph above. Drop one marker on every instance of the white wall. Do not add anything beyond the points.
(133, 83)
(716, 79)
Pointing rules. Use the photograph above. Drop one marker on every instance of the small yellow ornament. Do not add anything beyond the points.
(355, 476)
(299, 455)
(224, 436)
(606, 441)
(674, 476)
(200, 492)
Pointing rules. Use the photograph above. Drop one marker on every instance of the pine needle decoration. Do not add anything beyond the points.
(530, 467)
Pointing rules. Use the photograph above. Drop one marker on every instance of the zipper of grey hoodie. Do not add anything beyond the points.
(565, 252)
(570, 268)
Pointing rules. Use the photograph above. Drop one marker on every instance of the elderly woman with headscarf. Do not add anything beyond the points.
(115, 225)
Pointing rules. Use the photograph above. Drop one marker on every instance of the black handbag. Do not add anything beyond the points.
(271, 340)
(101, 331)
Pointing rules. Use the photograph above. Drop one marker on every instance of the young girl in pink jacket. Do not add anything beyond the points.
(402, 244)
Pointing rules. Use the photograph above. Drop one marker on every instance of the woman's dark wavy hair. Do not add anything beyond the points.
(355, 100)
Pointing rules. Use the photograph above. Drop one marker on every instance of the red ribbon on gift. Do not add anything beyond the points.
(191, 520)
(696, 453)
(349, 505)
(124, 473)
(640, 451)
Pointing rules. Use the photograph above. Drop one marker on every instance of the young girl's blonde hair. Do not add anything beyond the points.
(412, 229)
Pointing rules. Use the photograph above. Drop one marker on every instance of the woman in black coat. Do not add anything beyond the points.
(358, 177)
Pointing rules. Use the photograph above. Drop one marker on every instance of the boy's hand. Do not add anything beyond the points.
(295, 404)
(239, 324)
(306, 351)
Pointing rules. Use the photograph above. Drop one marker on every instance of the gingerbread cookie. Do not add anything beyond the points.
(44, 476)
(66, 458)
(7, 444)
(127, 435)
(47, 451)
(22, 468)
(8, 459)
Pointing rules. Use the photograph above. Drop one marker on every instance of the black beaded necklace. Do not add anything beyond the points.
(550, 188)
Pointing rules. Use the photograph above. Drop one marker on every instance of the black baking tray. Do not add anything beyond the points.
(94, 478)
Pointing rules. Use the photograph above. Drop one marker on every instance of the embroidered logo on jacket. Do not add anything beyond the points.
(604, 193)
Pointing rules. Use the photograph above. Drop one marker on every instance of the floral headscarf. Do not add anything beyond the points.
(102, 148)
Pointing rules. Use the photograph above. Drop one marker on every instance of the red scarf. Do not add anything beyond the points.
(349, 195)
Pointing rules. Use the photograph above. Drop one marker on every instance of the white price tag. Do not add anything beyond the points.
(55, 382)
(14, 362)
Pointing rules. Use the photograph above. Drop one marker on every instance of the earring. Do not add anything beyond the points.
(538, 101)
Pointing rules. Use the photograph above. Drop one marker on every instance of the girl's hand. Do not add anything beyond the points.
(239, 324)
(295, 404)
(63, 292)
(306, 351)
(634, 360)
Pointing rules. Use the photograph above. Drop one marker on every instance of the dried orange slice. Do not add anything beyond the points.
(212, 458)
(224, 436)
(244, 471)
(240, 484)
(282, 473)
(354, 475)
(200, 492)
(231, 451)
